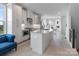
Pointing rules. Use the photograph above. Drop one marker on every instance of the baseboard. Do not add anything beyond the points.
(22, 41)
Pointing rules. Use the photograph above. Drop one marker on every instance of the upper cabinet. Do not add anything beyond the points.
(24, 16)
(32, 17)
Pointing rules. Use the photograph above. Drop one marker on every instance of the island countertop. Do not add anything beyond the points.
(42, 31)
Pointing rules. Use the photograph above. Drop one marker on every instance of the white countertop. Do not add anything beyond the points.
(41, 31)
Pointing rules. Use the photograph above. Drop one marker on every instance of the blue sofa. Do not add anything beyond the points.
(7, 43)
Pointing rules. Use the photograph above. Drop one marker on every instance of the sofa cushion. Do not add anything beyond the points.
(2, 38)
(10, 37)
(7, 45)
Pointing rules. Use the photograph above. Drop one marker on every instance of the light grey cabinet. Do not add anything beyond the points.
(16, 22)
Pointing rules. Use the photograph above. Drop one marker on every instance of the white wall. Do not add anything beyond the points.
(9, 18)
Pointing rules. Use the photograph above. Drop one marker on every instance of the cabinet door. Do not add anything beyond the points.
(24, 16)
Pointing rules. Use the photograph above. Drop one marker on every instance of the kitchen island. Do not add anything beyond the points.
(40, 40)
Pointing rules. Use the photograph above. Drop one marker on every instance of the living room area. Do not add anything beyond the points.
(36, 29)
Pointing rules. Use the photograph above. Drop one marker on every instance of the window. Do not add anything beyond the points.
(2, 19)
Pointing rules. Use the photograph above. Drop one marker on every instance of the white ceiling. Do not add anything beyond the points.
(46, 8)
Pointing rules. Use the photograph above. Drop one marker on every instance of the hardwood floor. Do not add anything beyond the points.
(25, 50)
